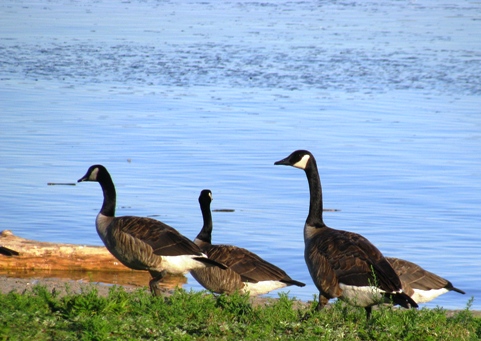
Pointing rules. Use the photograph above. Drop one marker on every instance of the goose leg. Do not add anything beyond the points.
(154, 282)
(368, 312)
(322, 302)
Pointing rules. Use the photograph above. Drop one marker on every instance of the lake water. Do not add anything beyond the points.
(177, 96)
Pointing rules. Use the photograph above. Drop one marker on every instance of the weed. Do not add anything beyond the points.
(43, 315)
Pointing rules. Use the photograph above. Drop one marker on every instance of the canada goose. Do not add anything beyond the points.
(246, 272)
(422, 285)
(343, 264)
(143, 243)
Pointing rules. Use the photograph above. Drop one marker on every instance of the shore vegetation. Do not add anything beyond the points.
(41, 314)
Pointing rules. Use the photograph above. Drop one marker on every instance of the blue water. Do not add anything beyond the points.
(175, 97)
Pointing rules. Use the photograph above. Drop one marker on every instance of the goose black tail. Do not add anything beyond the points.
(293, 282)
(403, 300)
(210, 262)
(458, 290)
(449, 286)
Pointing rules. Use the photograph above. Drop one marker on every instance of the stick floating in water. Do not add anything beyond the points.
(61, 184)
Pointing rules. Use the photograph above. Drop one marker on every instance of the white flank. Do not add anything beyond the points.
(181, 264)
(423, 296)
(262, 287)
(361, 296)
(302, 163)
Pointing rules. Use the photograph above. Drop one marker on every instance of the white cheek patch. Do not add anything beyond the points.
(302, 163)
(93, 175)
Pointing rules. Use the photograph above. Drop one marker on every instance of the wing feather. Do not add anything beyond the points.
(164, 240)
(354, 260)
(248, 265)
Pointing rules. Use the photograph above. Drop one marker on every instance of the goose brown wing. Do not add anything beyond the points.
(417, 277)
(320, 268)
(248, 265)
(164, 240)
(356, 261)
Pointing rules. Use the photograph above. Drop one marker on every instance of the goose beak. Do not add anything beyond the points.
(83, 178)
(284, 162)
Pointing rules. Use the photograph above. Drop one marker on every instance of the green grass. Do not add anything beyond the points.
(42, 315)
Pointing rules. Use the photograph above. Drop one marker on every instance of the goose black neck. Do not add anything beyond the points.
(205, 234)
(314, 217)
(110, 196)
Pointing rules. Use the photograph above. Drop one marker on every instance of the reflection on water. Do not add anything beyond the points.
(173, 101)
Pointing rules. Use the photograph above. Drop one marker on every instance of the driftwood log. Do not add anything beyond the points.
(20, 257)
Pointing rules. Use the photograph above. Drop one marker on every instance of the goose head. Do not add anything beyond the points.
(205, 197)
(94, 173)
(298, 159)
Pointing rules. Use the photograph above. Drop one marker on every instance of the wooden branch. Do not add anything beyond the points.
(44, 259)
(56, 256)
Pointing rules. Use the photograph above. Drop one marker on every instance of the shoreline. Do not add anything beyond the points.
(60, 285)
